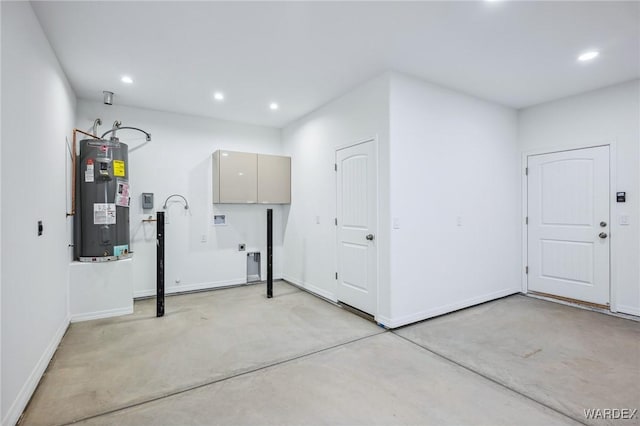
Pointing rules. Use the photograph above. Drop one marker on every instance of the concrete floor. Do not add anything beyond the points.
(233, 357)
(567, 358)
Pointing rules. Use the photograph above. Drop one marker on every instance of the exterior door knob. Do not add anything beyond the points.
(603, 235)
(370, 237)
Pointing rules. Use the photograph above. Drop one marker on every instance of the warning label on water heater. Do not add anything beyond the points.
(88, 174)
(118, 168)
(104, 213)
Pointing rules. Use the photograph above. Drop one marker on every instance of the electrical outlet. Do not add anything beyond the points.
(242, 247)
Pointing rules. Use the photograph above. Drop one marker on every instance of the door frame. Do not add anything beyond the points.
(613, 229)
(337, 148)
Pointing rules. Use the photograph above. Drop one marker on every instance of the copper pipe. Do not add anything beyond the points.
(73, 166)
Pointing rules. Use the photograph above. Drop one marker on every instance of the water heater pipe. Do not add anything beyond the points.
(73, 167)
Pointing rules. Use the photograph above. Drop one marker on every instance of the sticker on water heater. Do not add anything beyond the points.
(120, 250)
(118, 168)
(104, 214)
(122, 193)
(88, 174)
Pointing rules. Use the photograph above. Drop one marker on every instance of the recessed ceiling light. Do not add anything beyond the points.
(126, 79)
(218, 96)
(587, 56)
(273, 105)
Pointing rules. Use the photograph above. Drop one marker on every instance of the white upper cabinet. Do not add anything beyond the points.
(274, 179)
(247, 178)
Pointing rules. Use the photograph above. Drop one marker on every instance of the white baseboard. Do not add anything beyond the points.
(312, 288)
(441, 310)
(631, 310)
(193, 287)
(102, 314)
(22, 399)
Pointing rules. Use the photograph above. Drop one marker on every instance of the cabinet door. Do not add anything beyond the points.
(238, 177)
(274, 179)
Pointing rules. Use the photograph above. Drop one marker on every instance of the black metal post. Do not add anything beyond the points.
(160, 265)
(269, 253)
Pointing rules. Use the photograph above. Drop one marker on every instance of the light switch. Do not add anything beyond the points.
(458, 220)
(317, 220)
(624, 219)
(396, 223)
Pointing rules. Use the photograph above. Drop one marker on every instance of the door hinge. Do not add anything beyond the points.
(526, 220)
(336, 221)
(526, 171)
(526, 269)
(336, 275)
(335, 166)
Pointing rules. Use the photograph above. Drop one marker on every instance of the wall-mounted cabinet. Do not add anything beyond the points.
(235, 177)
(247, 178)
(274, 179)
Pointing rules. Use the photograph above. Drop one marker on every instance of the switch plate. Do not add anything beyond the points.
(396, 223)
(458, 220)
(624, 219)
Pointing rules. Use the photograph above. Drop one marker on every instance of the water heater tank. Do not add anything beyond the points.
(101, 225)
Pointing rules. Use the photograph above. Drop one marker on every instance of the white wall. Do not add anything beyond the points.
(310, 248)
(453, 158)
(37, 115)
(178, 160)
(609, 115)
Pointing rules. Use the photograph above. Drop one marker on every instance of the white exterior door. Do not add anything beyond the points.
(357, 219)
(568, 231)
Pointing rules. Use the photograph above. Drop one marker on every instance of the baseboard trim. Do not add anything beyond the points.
(631, 310)
(23, 397)
(441, 310)
(176, 289)
(311, 288)
(102, 314)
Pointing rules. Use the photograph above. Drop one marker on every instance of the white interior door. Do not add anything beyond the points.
(568, 231)
(357, 219)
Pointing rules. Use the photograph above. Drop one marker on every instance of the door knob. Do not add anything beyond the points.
(603, 235)
(603, 224)
(369, 237)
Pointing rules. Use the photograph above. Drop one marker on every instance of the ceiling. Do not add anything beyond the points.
(303, 54)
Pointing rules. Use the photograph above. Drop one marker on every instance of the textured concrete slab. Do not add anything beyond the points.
(380, 380)
(568, 358)
(106, 364)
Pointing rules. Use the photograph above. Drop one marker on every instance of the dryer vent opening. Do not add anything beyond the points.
(253, 267)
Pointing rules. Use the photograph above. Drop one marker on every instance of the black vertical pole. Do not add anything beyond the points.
(160, 266)
(269, 253)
